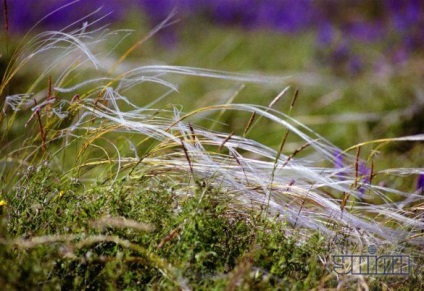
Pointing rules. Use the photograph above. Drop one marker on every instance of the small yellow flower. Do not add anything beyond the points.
(2, 203)
(61, 193)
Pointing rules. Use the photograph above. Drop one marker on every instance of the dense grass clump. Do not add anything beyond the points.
(144, 232)
(112, 187)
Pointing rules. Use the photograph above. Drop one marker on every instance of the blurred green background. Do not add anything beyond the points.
(358, 67)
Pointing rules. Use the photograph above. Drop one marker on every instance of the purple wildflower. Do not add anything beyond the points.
(355, 65)
(420, 183)
(364, 175)
(290, 16)
(364, 172)
(365, 31)
(338, 163)
(400, 55)
(235, 12)
(326, 34)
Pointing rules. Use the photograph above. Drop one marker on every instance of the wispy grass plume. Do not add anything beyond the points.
(94, 130)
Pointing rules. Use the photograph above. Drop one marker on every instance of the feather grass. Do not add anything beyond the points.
(304, 203)
(307, 192)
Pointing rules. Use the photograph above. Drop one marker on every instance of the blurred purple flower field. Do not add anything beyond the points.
(338, 24)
